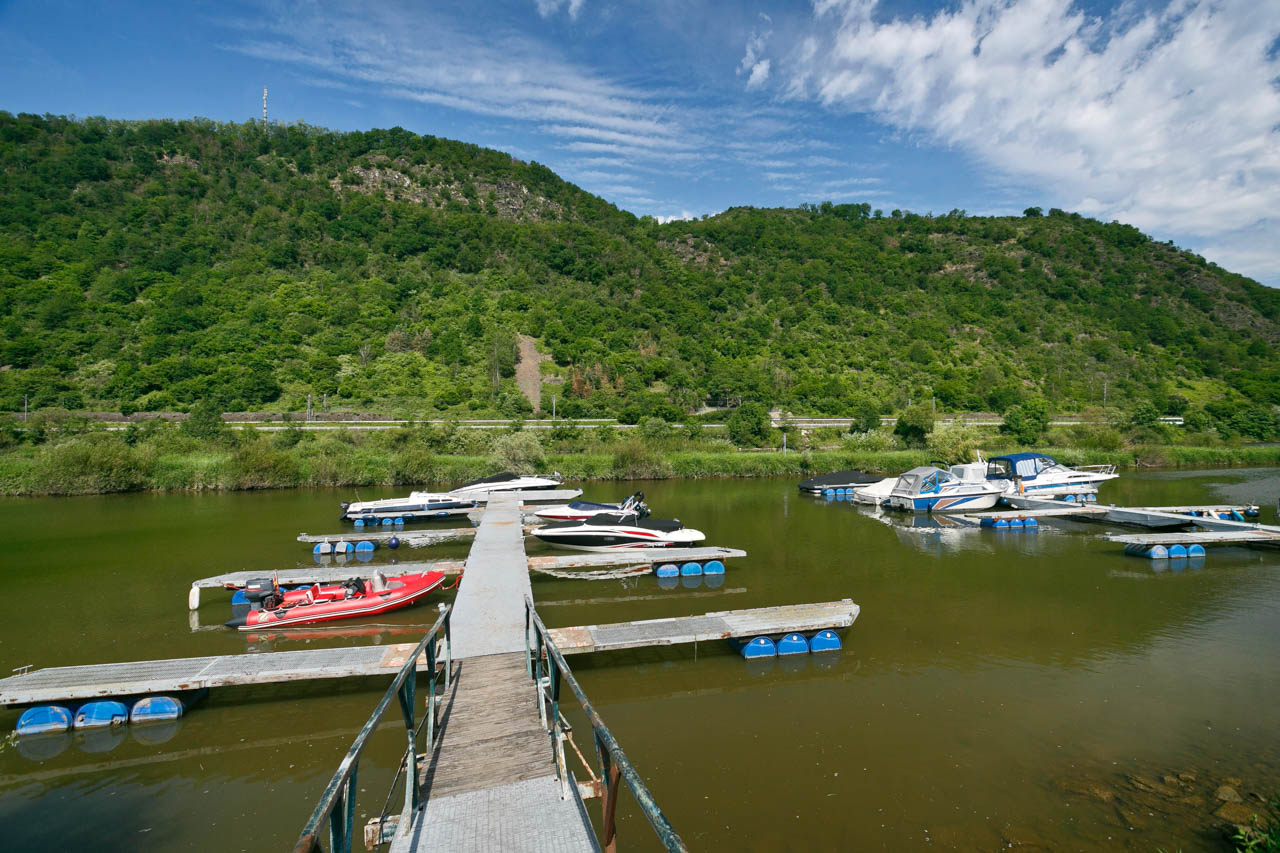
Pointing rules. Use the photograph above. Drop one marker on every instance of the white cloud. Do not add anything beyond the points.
(682, 216)
(547, 8)
(1166, 118)
(414, 54)
(753, 65)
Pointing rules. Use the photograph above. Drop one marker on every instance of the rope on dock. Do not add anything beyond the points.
(601, 575)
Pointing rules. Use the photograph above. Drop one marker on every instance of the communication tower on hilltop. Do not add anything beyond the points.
(264, 104)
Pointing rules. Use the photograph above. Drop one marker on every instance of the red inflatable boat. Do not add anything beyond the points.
(268, 606)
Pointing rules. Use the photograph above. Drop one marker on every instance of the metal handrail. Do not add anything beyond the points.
(337, 803)
(614, 764)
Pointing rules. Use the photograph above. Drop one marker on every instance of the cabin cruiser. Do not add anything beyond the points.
(507, 482)
(932, 489)
(578, 510)
(417, 504)
(610, 532)
(1043, 476)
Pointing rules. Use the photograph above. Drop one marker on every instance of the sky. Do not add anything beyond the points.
(1163, 115)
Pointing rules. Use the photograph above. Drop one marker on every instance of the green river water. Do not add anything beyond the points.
(1034, 689)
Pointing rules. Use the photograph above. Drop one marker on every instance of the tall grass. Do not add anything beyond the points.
(99, 462)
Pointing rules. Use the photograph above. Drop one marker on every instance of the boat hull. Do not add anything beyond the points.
(620, 540)
(945, 503)
(327, 607)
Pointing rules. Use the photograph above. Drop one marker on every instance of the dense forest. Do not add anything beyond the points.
(160, 265)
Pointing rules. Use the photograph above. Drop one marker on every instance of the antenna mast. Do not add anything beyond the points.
(264, 104)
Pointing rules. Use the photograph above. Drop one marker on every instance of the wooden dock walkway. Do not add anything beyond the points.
(1261, 537)
(1155, 517)
(492, 782)
(139, 678)
(720, 625)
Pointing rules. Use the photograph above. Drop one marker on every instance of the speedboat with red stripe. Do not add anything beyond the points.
(268, 606)
(610, 532)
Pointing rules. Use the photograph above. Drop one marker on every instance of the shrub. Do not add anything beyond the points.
(749, 425)
(954, 444)
(520, 452)
(654, 429)
(1026, 421)
(914, 425)
(90, 464)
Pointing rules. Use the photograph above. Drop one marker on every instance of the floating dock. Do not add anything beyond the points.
(722, 625)
(1257, 538)
(97, 681)
(544, 563)
(1138, 516)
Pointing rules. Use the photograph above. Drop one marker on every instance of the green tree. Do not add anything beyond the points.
(914, 424)
(749, 425)
(1027, 421)
(205, 421)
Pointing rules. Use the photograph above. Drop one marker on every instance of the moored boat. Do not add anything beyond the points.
(507, 482)
(932, 489)
(1043, 476)
(609, 532)
(270, 607)
(577, 510)
(417, 504)
(838, 482)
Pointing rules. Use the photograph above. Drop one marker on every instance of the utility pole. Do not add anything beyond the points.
(553, 407)
(264, 104)
(308, 408)
(24, 408)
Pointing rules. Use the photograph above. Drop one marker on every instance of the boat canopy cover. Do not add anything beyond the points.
(840, 478)
(923, 480)
(504, 477)
(1024, 465)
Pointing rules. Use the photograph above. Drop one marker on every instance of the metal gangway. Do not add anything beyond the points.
(332, 824)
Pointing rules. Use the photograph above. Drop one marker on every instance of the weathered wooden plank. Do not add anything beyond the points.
(490, 731)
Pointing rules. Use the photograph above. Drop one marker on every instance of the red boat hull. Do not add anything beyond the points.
(332, 602)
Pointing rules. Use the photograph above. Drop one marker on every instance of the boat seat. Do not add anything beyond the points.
(379, 582)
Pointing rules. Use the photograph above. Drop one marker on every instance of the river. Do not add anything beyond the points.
(999, 688)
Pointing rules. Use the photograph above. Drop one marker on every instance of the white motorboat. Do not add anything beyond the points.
(609, 532)
(932, 489)
(418, 504)
(507, 482)
(876, 493)
(578, 510)
(1043, 476)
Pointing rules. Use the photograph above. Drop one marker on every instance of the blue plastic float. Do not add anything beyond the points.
(100, 714)
(668, 570)
(155, 709)
(825, 641)
(759, 647)
(44, 719)
(393, 542)
(691, 568)
(793, 644)
(713, 567)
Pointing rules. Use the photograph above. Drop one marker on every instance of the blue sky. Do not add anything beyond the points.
(1165, 115)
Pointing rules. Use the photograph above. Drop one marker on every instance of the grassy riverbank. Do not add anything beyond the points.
(168, 458)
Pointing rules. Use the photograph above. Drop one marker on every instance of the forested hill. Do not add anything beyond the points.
(154, 265)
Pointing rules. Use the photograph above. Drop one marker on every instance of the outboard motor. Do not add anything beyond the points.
(258, 594)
